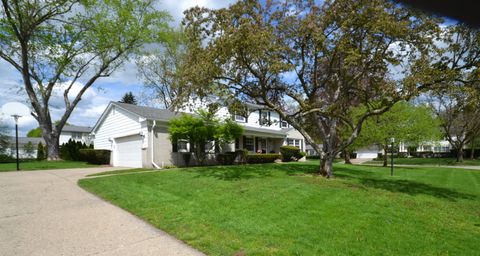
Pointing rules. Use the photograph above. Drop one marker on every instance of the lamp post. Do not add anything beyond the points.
(392, 140)
(16, 138)
(16, 110)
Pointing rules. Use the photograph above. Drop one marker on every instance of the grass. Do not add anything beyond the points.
(430, 161)
(118, 172)
(281, 209)
(43, 165)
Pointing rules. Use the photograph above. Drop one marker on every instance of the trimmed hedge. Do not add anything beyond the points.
(313, 157)
(262, 158)
(290, 153)
(95, 156)
(226, 158)
(70, 150)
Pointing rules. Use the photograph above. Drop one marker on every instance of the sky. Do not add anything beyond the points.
(96, 99)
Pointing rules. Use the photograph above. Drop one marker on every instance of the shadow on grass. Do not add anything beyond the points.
(371, 179)
(240, 172)
(414, 188)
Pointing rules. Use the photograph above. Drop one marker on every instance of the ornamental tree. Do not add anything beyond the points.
(64, 46)
(203, 131)
(326, 58)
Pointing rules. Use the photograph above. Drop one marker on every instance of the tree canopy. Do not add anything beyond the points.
(327, 58)
(407, 123)
(61, 48)
(129, 98)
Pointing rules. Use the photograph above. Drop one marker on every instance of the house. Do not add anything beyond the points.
(138, 136)
(435, 147)
(76, 133)
(23, 144)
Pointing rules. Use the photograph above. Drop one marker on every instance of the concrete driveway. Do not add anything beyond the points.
(46, 213)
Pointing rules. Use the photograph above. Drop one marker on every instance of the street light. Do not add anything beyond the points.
(392, 140)
(16, 110)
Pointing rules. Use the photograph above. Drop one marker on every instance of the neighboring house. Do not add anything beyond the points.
(76, 133)
(138, 136)
(311, 151)
(442, 146)
(22, 141)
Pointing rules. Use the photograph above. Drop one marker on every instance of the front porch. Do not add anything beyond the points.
(259, 144)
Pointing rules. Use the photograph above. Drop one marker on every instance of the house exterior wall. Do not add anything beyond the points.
(65, 136)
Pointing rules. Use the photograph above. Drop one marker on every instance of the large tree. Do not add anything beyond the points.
(407, 123)
(129, 98)
(63, 47)
(458, 109)
(160, 70)
(327, 58)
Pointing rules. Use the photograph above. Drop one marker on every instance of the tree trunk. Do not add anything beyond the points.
(385, 156)
(472, 153)
(460, 155)
(326, 165)
(52, 140)
(346, 157)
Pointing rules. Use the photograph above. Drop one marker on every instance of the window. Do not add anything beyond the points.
(283, 124)
(248, 144)
(264, 118)
(182, 146)
(295, 142)
(240, 118)
(76, 135)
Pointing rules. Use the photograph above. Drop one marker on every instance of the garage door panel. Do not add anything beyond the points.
(129, 151)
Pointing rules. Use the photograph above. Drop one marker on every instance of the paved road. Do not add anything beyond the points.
(467, 167)
(46, 213)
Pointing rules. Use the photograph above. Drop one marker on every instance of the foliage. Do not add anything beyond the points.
(4, 158)
(70, 150)
(405, 122)
(253, 208)
(29, 149)
(241, 155)
(201, 129)
(159, 69)
(262, 158)
(226, 158)
(129, 98)
(4, 141)
(66, 46)
(187, 156)
(458, 109)
(326, 58)
(290, 153)
(41, 152)
(95, 156)
(35, 133)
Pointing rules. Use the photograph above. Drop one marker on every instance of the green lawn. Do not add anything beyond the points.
(281, 209)
(43, 165)
(429, 161)
(118, 172)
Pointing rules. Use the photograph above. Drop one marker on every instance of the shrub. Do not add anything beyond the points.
(290, 153)
(226, 158)
(95, 156)
(186, 158)
(241, 155)
(313, 157)
(70, 150)
(262, 158)
(4, 158)
(41, 152)
(169, 166)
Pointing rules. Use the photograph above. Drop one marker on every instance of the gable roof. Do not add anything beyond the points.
(147, 112)
(76, 128)
(140, 111)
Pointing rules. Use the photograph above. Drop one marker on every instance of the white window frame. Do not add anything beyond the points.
(239, 118)
(283, 124)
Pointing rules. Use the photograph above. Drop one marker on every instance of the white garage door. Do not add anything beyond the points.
(129, 151)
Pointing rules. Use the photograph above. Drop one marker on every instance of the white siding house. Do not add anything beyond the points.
(76, 133)
(137, 136)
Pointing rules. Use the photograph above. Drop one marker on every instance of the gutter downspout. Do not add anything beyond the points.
(153, 162)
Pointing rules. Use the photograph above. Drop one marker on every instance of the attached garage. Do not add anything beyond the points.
(128, 152)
